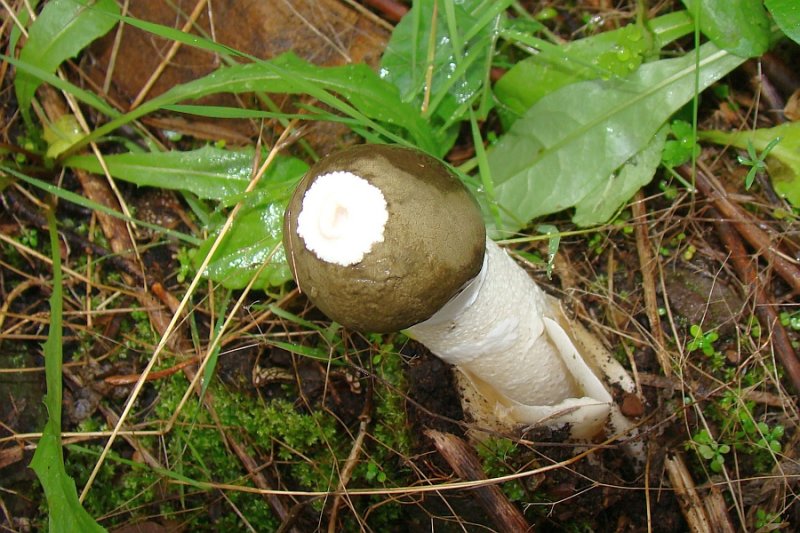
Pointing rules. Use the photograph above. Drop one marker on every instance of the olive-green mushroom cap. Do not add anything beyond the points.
(433, 242)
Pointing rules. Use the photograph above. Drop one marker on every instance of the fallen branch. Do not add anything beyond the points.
(763, 242)
(467, 466)
(764, 307)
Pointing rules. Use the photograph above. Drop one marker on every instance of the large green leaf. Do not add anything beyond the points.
(255, 234)
(568, 144)
(741, 27)
(65, 511)
(787, 16)
(783, 161)
(63, 29)
(601, 204)
(439, 56)
(612, 53)
(208, 172)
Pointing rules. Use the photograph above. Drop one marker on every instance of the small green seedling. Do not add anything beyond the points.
(710, 449)
(702, 341)
(755, 161)
(683, 147)
(760, 433)
(790, 320)
(764, 519)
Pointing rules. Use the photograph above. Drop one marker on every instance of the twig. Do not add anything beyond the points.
(764, 398)
(352, 460)
(647, 265)
(467, 466)
(762, 241)
(688, 499)
(390, 9)
(22, 208)
(765, 309)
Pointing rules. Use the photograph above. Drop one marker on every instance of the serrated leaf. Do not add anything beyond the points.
(786, 14)
(209, 172)
(783, 162)
(740, 27)
(570, 142)
(257, 232)
(65, 511)
(62, 30)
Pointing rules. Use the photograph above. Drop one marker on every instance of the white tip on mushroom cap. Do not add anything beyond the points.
(342, 217)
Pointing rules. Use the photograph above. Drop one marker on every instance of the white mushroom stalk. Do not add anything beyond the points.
(383, 239)
(503, 332)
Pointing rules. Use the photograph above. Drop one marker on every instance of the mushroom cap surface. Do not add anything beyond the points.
(433, 241)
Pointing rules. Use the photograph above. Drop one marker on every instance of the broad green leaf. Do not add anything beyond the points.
(786, 14)
(62, 30)
(783, 161)
(406, 60)
(208, 172)
(570, 142)
(361, 95)
(612, 53)
(65, 511)
(741, 27)
(451, 43)
(255, 234)
(609, 54)
(600, 205)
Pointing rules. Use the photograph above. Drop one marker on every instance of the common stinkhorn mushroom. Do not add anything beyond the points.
(382, 238)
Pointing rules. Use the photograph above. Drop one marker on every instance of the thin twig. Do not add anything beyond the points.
(647, 265)
(173, 49)
(467, 466)
(764, 307)
(352, 459)
(762, 241)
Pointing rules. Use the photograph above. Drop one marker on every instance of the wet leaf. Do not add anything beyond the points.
(60, 134)
(569, 143)
(786, 14)
(62, 30)
(65, 511)
(783, 162)
(601, 204)
(463, 34)
(613, 53)
(257, 232)
(208, 172)
(740, 27)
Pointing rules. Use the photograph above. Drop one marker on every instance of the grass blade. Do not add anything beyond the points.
(66, 512)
